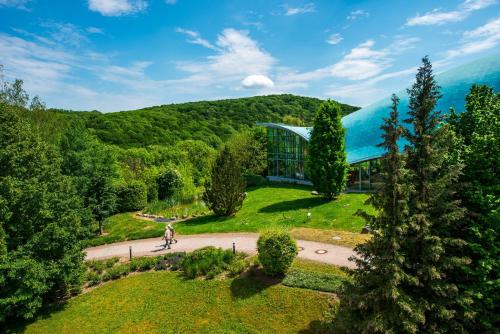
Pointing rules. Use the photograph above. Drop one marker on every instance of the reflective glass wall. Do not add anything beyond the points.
(286, 154)
(364, 176)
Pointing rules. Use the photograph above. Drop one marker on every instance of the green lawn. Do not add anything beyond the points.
(286, 206)
(163, 302)
(267, 206)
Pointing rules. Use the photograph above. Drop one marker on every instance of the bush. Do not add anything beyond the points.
(92, 278)
(100, 265)
(313, 280)
(255, 180)
(116, 272)
(208, 261)
(131, 196)
(143, 263)
(169, 183)
(277, 249)
(238, 266)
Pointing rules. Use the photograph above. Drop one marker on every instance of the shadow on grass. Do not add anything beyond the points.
(19, 325)
(199, 221)
(316, 326)
(296, 204)
(252, 283)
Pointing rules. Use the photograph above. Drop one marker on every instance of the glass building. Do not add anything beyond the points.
(287, 145)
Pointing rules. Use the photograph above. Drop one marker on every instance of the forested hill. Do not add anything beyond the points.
(210, 121)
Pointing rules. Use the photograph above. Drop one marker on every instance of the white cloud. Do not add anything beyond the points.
(438, 17)
(334, 39)
(195, 38)
(257, 81)
(307, 8)
(94, 30)
(480, 39)
(65, 33)
(356, 14)
(361, 62)
(117, 7)
(237, 56)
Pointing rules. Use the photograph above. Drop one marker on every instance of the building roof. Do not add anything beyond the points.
(363, 126)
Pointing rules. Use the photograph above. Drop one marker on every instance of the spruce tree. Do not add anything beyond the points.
(375, 300)
(225, 192)
(433, 250)
(327, 164)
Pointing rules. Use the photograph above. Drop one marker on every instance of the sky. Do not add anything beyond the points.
(112, 55)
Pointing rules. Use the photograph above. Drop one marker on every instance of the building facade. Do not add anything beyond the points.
(287, 145)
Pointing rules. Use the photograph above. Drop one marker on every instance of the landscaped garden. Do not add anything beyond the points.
(266, 206)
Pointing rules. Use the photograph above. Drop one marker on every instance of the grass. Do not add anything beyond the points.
(124, 226)
(164, 302)
(168, 210)
(266, 206)
(285, 206)
(312, 280)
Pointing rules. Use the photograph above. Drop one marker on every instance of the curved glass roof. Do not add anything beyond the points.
(363, 126)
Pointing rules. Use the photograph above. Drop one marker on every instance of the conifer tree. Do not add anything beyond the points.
(225, 192)
(327, 164)
(433, 250)
(375, 301)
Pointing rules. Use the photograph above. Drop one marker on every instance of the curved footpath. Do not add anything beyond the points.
(244, 242)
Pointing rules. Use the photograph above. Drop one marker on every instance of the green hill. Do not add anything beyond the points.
(210, 121)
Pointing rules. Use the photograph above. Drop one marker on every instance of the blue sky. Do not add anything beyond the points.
(113, 55)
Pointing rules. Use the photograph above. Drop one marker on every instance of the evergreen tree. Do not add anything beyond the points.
(375, 301)
(433, 250)
(327, 164)
(224, 193)
(479, 130)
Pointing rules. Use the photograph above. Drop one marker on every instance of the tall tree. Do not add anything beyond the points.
(432, 255)
(224, 193)
(327, 164)
(42, 218)
(479, 129)
(375, 301)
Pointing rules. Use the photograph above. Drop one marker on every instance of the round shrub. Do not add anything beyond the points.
(169, 183)
(131, 196)
(277, 249)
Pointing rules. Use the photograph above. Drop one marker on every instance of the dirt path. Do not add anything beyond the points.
(244, 242)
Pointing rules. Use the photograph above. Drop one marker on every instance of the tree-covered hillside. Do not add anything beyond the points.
(210, 121)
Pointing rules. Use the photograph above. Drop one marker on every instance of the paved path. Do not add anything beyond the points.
(245, 242)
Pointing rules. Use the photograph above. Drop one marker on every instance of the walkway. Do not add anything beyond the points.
(244, 242)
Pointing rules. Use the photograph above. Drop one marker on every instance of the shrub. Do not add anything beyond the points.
(131, 196)
(277, 249)
(313, 280)
(208, 261)
(169, 183)
(255, 180)
(238, 266)
(116, 272)
(100, 265)
(143, 263)
(92, 278)
(224, 192)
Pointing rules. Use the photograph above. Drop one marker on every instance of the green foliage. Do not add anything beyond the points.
(292, 120)
(42, 218)
(143, 263)
(327, 164)
(305, 279)
(224, 193)
(132, 196)
(212, 122)
(478, 127)
(376, 299)
(277, 250)
(116, 272)
(208, 261)
(169, 183)
(250, 149)
(92, 278)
